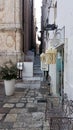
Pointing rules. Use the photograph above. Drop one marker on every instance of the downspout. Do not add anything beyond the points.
(23, 24)
(32, 25)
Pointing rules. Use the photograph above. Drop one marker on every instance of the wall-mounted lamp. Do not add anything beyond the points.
(50, 27)
(53, 6)
(50, 55)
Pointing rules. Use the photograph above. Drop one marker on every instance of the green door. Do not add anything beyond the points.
(60, 72)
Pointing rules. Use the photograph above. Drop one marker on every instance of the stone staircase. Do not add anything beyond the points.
(30, 82)
(35, 81)
(37, 67)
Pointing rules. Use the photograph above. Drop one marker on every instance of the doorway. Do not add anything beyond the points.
(60, 71)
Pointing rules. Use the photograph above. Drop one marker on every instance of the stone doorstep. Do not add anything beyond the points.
(34, 81)
(32, 86)
(36, 65)
(31, 82)
(31, 78)
(38, 69)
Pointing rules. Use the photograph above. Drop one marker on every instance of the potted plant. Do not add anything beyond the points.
(8, 73)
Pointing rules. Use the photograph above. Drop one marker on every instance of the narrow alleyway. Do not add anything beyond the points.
(29, 108)
(23, 110)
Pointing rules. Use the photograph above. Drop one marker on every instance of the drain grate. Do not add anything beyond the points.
(42, 100)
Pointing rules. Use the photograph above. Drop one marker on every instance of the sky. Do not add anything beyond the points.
(37, 5)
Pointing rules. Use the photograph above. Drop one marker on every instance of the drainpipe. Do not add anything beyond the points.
(23, 23)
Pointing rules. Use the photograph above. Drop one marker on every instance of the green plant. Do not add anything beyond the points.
(8, 71)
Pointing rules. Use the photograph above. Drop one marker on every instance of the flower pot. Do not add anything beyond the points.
(9, 87)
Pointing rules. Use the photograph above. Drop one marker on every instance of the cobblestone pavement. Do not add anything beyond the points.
(22, 111)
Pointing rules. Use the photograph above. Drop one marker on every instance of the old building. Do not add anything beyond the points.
(59, 13)
(10, 29)
(28, 24)
(48, 31)
(53, 37)
(16, 28)
(65, 18)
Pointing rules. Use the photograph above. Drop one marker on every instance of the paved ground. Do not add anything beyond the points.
(23, 110)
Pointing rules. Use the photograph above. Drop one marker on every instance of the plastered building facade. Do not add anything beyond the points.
(62, 72)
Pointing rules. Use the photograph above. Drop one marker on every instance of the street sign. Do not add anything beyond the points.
(20, 65)
(44, 67)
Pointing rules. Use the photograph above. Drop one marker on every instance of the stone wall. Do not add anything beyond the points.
(10, 26)
(13, 55)
(10, 40)
(10, 13)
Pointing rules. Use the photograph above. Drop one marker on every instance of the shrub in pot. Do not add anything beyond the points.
(8, 72)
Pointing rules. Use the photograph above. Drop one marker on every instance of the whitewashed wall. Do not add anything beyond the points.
(68, 80)
(50, 16)
(52, 72)
(45, 16)
(65, 18)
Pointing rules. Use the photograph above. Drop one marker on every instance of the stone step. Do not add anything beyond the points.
(36, 65)
(38, 71)
(37, 68)
(30, 82)
(28, 85)
(31, 78)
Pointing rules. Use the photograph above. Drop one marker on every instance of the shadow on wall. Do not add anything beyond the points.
(29, 57)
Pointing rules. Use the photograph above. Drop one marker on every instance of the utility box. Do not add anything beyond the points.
(27, 69)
